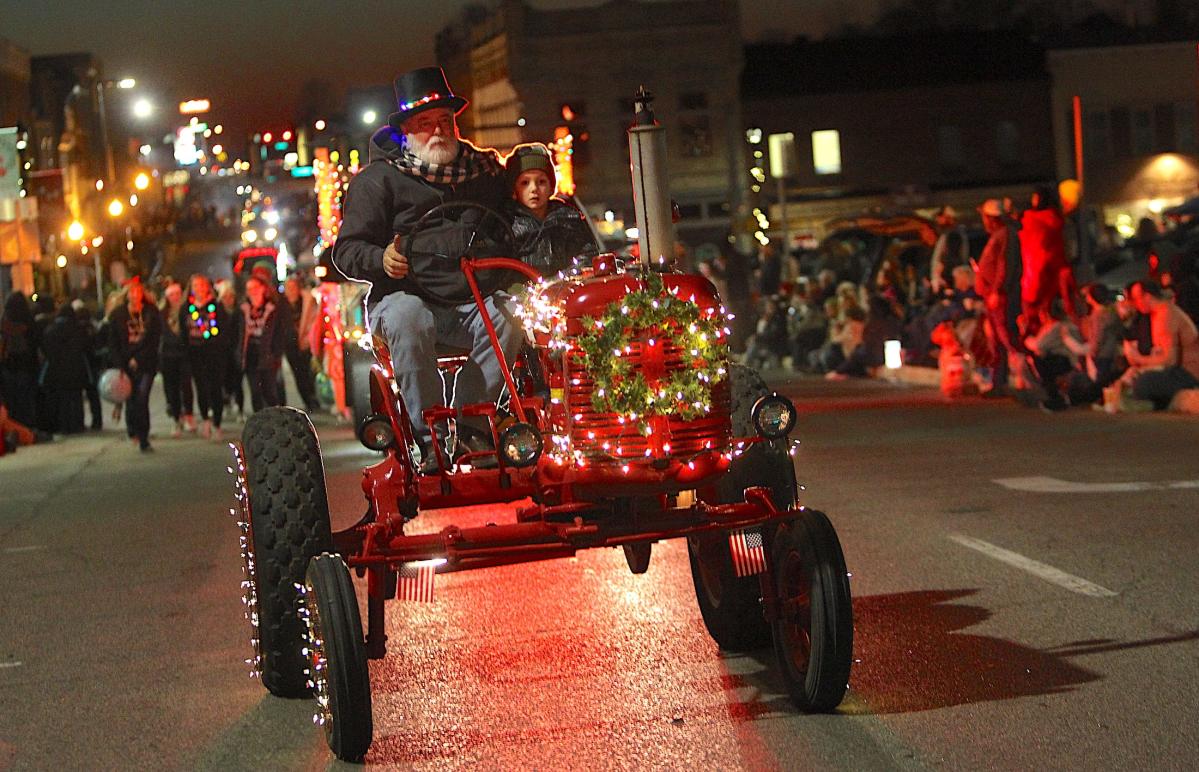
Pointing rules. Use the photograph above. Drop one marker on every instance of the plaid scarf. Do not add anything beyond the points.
(471, 162)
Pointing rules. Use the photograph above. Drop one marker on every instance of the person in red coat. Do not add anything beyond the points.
(1043, 252)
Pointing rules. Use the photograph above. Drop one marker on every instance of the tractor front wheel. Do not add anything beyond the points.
(813, 628)
(337, 658)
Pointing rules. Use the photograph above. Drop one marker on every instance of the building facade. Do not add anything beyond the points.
(19, 243)
(896, 124)
(534, 75)
(1140, 131)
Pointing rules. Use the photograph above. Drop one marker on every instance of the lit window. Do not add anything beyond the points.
(826, 151)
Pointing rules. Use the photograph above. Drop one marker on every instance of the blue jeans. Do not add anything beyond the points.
(413, 328)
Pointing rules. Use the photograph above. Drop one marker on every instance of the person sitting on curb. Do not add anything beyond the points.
(1055, 349)
(1173, 364)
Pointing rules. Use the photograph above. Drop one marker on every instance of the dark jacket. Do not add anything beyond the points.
(19, 335)
(206, 317)
(64, 346)
(129, 341)
(174, 344)
(267, 333)
(551, 244)
(383, 201)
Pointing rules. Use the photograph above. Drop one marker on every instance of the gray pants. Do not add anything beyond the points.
(413, 328)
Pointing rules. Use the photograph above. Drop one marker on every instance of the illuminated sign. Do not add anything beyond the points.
(193, 106)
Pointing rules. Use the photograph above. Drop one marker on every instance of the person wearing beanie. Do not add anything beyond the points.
(551, 234)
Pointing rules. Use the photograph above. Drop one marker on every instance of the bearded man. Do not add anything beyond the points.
(417, 162)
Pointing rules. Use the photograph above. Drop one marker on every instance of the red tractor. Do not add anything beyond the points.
(623, 424)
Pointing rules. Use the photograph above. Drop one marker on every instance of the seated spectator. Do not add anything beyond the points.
(1136, 324)
(808, 326)
(881, 325)
(769, 343)
(1173, 363)
(845, 333)
(1056, 348)
(1104, 335)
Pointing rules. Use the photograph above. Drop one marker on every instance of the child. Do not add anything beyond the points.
(550, 233)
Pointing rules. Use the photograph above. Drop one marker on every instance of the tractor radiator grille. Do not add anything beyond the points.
(591, 430)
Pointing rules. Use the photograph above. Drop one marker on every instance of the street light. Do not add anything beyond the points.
(141, 181)
(142, 108)
(116, 208)
(126, 83)
(75, 231)
(369, 117)
(320, 125)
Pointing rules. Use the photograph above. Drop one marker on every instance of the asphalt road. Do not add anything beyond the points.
(121, 636)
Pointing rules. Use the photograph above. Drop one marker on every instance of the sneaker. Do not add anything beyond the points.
(145, 447)
(189, 422)
(177, 432)
(206, 429)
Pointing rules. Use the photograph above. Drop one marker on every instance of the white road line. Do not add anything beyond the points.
(1036, 568)
(10, 664)
(1054, 485)
(30, 548)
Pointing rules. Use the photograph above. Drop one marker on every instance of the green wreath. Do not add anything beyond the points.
(651, 313)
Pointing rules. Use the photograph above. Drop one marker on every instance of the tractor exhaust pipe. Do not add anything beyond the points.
(651, 192)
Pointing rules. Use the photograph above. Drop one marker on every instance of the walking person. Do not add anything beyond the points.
(206, 323)
(302, 312)
(265, 324)
(232, 392)
(176, 370)
(136, 334)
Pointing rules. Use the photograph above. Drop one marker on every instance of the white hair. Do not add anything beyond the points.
(439, 149)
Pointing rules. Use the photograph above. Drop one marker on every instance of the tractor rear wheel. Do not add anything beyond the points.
(731, 605)
(289, 525)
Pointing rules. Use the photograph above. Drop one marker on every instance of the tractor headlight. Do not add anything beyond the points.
(376, 432)
(521, 444)
(773, 416)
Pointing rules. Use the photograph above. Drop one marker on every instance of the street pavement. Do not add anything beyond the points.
(997, 624)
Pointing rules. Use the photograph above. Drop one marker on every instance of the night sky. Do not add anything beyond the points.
(251, 59)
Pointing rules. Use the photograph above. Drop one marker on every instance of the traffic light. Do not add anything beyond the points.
(575, 115)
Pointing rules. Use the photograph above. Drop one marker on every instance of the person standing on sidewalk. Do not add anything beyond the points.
(997, 281)
(136, 333)
(296, 345)
(176, 371)
(206, 321)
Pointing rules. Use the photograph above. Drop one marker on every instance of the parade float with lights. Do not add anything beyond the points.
(624, 423)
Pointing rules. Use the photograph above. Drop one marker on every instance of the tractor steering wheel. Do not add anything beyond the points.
(478, 232)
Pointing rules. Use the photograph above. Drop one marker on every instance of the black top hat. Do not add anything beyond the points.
(423, 89)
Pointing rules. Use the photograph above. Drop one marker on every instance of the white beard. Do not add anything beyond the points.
(438, 150)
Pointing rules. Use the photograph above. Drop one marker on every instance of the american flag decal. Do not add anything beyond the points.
(748, 551)
(416, 582)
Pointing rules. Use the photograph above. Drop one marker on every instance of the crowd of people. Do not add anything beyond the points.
(209, 342)
(1014, 313)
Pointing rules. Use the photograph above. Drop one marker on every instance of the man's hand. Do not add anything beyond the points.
(395, 265)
